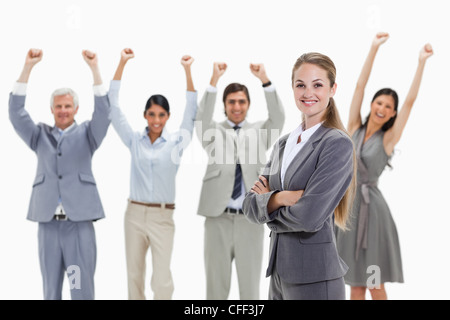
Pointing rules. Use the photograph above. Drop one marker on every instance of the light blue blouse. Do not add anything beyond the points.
(153, 166)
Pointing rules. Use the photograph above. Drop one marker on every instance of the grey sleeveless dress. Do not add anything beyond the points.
(372, 240)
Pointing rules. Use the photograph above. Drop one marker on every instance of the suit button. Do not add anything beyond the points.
(60, 154)
(60, 177)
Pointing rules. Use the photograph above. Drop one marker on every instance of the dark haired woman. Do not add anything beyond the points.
(155, 160)
(371, 248)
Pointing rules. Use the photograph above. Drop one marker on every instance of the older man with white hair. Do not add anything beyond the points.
(64, 201)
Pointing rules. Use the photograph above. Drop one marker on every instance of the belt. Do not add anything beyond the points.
(60, 217)
(155, 205)
(233, 211)
(363, 220)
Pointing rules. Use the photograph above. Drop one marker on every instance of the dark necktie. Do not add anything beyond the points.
(237, 177)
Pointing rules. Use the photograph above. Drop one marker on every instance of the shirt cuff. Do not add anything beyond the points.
(115, 84)
(191, 96)
(270, 88)
(20, 89)
(211, 89)
(99, 90)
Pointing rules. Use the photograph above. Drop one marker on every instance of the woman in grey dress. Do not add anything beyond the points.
(371, 247)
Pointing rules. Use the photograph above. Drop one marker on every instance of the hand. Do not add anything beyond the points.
(261, 186)
(218, 71)
(426, 52)
(90, 58)
(33, 57)
(187, 61)
(259, 71)
(126, 54)
(380, 38)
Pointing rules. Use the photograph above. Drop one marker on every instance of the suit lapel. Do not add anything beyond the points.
(57, 135)
(303, 155)
(276, 163)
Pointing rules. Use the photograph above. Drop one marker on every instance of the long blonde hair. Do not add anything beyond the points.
(332, 119)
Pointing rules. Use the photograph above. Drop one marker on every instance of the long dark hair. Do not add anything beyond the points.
(393, 94)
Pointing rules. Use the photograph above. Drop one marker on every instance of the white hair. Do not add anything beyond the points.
(63, 92)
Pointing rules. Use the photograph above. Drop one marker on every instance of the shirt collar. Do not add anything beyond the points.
(309, 132)
(232, 124)
(66, 129)
(306, 134)
(164, 134)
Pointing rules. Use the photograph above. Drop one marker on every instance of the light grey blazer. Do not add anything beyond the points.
(223, 146)
(64, 166)
(302, 244)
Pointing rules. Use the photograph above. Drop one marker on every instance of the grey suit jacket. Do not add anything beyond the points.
(224, 146)
(64, 164)
(302, 244)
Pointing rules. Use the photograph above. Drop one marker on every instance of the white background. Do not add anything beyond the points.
(275, 33)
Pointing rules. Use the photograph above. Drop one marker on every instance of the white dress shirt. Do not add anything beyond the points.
(292, 148)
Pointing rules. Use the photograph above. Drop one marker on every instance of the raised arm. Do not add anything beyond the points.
(92, 61)
(218, 71)
(98, 126)
(125, 55)
(32, 58)
(355, 120)
(275, 120)
(393, 135)
(187, 61)
(118, 119)
(20, 118)
(190, 112)
(205, 111)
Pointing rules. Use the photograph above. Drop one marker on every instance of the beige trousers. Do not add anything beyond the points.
(154, 228)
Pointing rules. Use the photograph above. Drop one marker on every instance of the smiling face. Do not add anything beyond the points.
(382, 109)
(236, 106)
(312, 92)
(64, 111)
(156, 117)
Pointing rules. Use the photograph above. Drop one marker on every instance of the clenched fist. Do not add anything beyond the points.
(126, 54)
(187, 61)
(380, 38)
(33, 57)
(259, 71)
(426, 52)
(90, 58)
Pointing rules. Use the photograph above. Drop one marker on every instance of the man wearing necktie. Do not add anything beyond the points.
(235, 160)
(64, 200)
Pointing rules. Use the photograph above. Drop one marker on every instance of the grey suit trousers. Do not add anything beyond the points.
(67, 246)
(232, 237)
(323, 290)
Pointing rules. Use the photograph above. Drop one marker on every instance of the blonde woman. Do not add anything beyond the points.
(307, 186)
